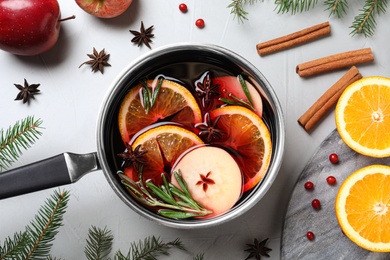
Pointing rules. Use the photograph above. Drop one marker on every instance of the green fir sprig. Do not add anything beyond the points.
(364, 23)
(36, 241)
(238, 10)
(99, 243)
(149, 248)
(22, 134)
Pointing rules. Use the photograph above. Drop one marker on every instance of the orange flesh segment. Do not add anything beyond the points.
(173, 101)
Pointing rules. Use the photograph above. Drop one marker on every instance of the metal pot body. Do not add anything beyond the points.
(108, 134)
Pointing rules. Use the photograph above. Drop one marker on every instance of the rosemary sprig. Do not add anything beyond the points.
(99, 243)
(150, 248)
(22, 134)
(149, 97)
(238, 101)
(36, 241)
(172, 202)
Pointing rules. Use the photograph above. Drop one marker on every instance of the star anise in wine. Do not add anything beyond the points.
(133, 157)
(98, 60)
(209, 129)
(205, 181)
(27, 91)
(258, 249)
(143, 36)
(206, 90)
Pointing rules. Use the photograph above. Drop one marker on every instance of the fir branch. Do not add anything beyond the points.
(237, 9)
(199, 256)
(35, 242)
(365, 23)
(45, 225)
(294, 6)
(337, 7)
(22, 134)
(12, 247)
(99, 243)
(150, 248)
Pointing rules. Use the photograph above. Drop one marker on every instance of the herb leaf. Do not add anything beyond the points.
(172, 201)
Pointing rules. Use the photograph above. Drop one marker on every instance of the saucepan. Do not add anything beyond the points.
(67, 168)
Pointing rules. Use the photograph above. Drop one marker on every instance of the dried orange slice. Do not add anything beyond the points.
(173, 101)
(164, 144)
(363, 207)
(249, 139)
(363, 116)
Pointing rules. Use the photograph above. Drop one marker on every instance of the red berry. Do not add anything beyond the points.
(331, 180)
(183, 8)
(309, 185)
(199, 23)
(316, 204)
(310, 235)
(334, 158)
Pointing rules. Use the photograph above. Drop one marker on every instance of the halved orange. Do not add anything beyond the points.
(248, 139)
(164, 144)
(363, 207)
(363, 116)
(173, 101)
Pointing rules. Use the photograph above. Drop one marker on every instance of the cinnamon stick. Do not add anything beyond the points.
(336, 61)
(323, 105)
(293, 39)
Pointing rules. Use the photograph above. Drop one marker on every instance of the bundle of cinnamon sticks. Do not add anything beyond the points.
(321, 65)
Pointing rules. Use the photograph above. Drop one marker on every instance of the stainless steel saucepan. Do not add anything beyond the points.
(67, 168)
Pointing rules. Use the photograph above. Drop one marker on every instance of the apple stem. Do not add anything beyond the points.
(67, 18)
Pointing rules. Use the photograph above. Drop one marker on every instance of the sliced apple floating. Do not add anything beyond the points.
(213, 178)
(231, 89)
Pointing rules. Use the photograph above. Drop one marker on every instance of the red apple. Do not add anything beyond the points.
(104, 8)
(29, 27)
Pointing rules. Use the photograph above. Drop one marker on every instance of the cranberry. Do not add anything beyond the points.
(199, 23)
(334, 158)
(316, 204)
(310, 235)
(309, 185)
(183, 8)
(331, 180)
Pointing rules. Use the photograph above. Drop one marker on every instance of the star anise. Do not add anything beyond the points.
(205, 181)
(133, 157)
(98, 60)
(27, 91)
(258, 249)
(143, 36)
(206, 90)
(209, 130)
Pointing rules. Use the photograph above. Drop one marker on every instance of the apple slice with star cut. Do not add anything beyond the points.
(213, 178)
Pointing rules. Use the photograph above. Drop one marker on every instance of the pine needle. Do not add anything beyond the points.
(337, 7)
(149, 249)
(36, 241)
(22, 134)
(365, 23)
(294, 6)
(99, 243)
(237, 9)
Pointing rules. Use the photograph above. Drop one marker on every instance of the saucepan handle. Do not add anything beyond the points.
(59, 170)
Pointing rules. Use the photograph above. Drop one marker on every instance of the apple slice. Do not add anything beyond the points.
(213, 178)
(231, 85)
